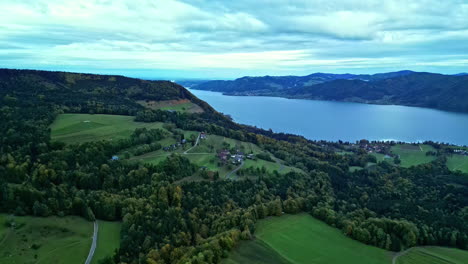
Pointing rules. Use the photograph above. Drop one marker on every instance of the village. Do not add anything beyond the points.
(461, 152)
(225, 156)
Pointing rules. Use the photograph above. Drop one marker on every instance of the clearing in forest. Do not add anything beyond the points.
(78, 128)
(302, 239)
(183, 105)
(412, 155)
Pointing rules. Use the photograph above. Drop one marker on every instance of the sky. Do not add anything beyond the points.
(213, 39)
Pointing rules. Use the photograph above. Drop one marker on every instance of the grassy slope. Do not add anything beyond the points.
(304, 239)
(434, 255)
(108, 240)
(458, 162)
(61, 240)
(254, 252)
(76, 128)
(411, 156)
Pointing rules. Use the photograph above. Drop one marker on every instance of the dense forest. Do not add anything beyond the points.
(166, 220)
(445, 92)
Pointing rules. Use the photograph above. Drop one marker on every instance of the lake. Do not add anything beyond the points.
(333, 121)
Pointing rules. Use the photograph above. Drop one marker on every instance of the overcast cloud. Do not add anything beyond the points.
(226, 39)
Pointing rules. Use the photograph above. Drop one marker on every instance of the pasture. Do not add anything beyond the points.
(44, 240)
(412, 155)
(458, 162)
(302, 239)
(433, 255)
(108, 240)
(255, 251)
(79, 128)
(184, 105)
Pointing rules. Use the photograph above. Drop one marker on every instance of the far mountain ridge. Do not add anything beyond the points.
(423, 89)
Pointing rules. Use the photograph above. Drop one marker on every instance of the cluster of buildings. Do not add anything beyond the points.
(376, 148)
(235, 158)
(461, 152)
(175, 146)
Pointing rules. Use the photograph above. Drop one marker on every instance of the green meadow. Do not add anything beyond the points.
(412, 155)
(434, 255)
(458, 162)
(302, 239)
(255, 252)
(108, 240)
(78, 128)
(173, 105)
(44, 240)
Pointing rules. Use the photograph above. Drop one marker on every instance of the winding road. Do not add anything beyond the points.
(93, 244)
(234, 170)
(196, 143)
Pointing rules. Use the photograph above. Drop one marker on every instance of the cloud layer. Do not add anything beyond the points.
(209, 38)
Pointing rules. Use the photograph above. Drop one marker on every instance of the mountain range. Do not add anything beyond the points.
(422, 89)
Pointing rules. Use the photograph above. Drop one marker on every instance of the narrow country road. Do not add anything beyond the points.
(93, 244)
(235, 170)
(196, 143)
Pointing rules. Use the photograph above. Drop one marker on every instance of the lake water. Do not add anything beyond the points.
(333, 121)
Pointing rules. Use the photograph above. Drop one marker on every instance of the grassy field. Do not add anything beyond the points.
(355, 168)
(45, 240)
(173, 105)
(108, 240)
(434, 255)
(77, 128)
(412, 155)
(382, 157)
(214, 143)
(458, 162)
(302, 239)
(255, 252)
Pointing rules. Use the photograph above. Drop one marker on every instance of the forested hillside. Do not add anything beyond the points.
(168, 218)
(445, 92)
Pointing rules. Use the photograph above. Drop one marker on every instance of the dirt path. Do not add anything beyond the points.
(234, 170)
(399, 254)
(93, 244)
(196, 143)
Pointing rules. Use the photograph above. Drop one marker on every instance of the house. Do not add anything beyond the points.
(203, 135)
(224, 155)
(250, 156)
(183, 141)
(237, 159)
(115, 157)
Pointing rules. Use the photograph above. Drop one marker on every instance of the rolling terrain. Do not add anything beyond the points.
(445, 92)
(78, 145)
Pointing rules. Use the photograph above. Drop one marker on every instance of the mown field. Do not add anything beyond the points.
(42, 240)
(434, 255)
(77, 128)
(108, 240)
(302, 239)
(255, 252)
(173, 105)
(458, 162)
(412, 155)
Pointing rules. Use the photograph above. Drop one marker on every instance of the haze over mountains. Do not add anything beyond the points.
(445, 92)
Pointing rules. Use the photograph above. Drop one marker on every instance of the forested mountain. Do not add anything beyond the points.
(166, 219)
(446, 92)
